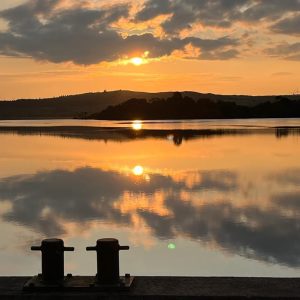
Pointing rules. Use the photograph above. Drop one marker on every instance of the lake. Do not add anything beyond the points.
(192, 198)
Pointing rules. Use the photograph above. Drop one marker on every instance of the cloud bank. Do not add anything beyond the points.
(84, 33)
(45, 31)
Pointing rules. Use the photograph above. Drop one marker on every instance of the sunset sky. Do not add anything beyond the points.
(55, 47)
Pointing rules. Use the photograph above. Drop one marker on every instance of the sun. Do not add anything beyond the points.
(137, 61)
(138, 170)
(137, 125)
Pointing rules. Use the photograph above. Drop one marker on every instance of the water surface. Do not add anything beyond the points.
(205, 198)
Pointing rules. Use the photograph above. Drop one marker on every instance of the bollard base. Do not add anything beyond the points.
(123, 285)
(37, 283)
(77, 283)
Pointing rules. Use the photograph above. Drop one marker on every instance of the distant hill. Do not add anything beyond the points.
(179, 106)
(83, 105)
(64, 107)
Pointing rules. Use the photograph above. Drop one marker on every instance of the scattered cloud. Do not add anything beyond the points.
(285, 51)
(289, 25)
(85, 32)
(185, 13)
(216, 13)
(45, 31)
(268, 10)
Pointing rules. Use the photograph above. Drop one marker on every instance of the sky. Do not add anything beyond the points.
(58, 47)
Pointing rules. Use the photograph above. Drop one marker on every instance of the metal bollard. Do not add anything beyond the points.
(52, 259)
(108, 260)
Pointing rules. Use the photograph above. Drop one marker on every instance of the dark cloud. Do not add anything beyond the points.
(270, 10)
(184, 13)
(77, 34)
(285, 51)
(216, 13)
(288, 26)
(84, 36)
(154, 8)
(43, 30)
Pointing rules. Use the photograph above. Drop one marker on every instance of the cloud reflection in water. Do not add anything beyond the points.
(170, 206)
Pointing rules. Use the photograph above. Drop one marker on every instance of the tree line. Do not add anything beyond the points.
(179, 107)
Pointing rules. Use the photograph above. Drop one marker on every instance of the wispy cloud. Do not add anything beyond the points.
(286, 51)
(289, 25)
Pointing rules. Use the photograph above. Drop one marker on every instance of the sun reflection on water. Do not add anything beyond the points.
(138, 170)
(137, 125)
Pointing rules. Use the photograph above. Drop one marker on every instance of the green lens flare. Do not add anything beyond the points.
(171, 246)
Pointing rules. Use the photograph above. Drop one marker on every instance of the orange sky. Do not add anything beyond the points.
(55, 47)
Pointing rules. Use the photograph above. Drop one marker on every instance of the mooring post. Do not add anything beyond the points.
(108, 260)
(52, 259)
(53, 279)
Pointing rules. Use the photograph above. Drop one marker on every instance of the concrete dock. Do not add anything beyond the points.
(169, 288)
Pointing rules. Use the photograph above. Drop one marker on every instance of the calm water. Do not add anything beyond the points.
(190, 198)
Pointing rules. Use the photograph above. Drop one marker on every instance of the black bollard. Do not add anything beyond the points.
(52, 259)
(108, 260)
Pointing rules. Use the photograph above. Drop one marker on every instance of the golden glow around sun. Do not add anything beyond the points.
(137, 125)
(137, 61)
(138, 170)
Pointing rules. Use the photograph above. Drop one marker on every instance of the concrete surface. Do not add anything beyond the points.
(170, 288)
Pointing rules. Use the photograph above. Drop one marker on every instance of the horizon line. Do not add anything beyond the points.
(149, 92)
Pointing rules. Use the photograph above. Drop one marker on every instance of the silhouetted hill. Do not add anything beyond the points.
(64, 106)
(86, 104)
(179, 106)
